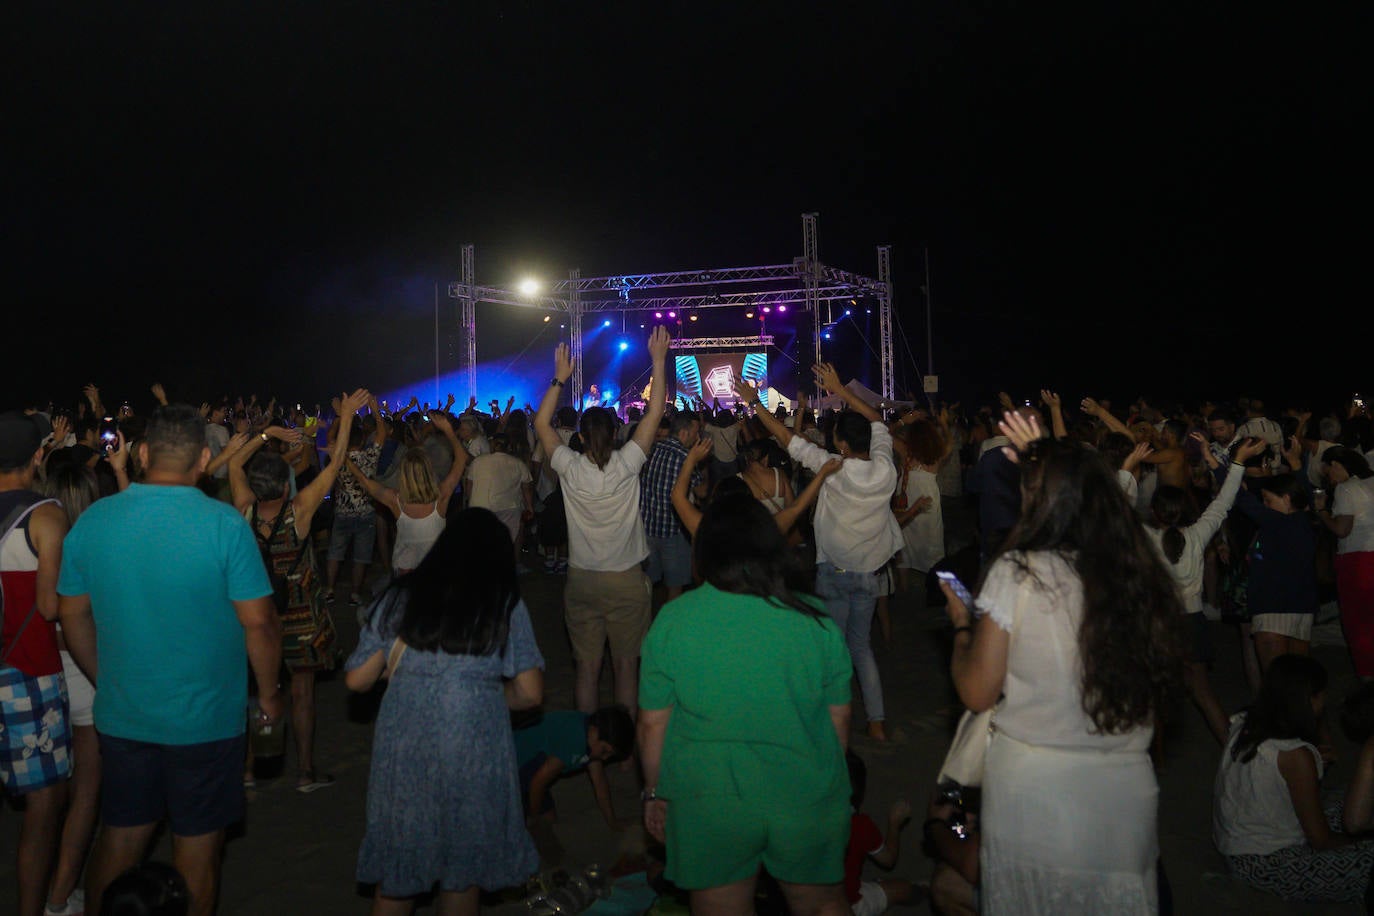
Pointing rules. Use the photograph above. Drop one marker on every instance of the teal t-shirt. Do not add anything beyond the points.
(163, 566)
(750, 685)
(561, 734)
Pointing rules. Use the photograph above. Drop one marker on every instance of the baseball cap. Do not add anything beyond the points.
(20, 436)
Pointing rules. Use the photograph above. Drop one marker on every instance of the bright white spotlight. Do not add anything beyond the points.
(782, 308)
(606, 323)
(528, 287)
(624, 345)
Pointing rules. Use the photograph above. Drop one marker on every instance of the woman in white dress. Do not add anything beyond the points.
(1076, 636)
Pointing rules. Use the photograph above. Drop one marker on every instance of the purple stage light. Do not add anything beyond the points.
(782, 308)
(672, 314)
(658, 314)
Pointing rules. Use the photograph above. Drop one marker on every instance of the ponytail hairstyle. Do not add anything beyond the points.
(1171, 510)
(598, 435)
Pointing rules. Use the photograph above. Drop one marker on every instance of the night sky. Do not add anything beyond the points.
(1117, 199)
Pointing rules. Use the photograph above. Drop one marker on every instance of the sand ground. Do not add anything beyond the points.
(296, 853)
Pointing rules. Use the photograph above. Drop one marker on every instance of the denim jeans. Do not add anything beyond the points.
(851, 599)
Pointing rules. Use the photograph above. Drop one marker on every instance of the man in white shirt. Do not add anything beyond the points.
(856, 532)
(607, 598)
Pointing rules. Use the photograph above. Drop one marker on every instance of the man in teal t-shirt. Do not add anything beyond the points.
(165, 604)
(566, 741)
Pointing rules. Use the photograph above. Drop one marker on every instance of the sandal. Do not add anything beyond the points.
(307, 781)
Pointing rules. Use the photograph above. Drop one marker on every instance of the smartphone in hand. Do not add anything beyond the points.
(958, 587)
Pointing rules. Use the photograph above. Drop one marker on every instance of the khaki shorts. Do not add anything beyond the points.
(603, 606)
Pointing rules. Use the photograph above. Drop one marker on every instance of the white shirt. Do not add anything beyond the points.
(724, 440)
(1187, 572)
(1129, 485)
(496, 480)
(1355, 497)
(1252, 810)
(602, 505)
(855, 527)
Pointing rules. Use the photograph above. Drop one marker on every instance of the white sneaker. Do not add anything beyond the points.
(75, 905)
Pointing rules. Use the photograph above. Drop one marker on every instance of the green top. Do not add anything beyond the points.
(750, 685)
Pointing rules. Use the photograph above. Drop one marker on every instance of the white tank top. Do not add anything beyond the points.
(414, 537)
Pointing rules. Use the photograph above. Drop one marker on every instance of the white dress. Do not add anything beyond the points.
(1068, 816)
(923, 538)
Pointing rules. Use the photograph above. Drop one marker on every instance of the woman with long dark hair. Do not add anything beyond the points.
(443, 796)
(743, 722)
(1268, 817)
(1075, 643)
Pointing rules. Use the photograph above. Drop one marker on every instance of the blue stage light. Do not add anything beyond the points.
(624, 345)
(606, 323)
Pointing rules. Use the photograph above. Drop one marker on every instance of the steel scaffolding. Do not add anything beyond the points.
(806, 282)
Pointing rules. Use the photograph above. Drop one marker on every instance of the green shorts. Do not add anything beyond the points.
(713, 840)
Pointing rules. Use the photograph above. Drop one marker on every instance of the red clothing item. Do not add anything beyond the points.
(35, 653)
(864, 839)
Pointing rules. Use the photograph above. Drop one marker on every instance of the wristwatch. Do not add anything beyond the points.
(555, 382)
(649, 795)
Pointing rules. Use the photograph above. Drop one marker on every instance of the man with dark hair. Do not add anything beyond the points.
(35, 735)
(856, 532)
(670, 550)
(162, 572)
(562, 742)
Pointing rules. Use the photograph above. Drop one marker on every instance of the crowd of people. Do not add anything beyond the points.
(733, 562)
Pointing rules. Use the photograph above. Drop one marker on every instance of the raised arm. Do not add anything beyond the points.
(1094, 409)
(310, 497)
(682, 502)
(776, 428)
(829, 379)
(460, 456)
(788, 517)
(1051, 400)
(543, 418)
(659, 341)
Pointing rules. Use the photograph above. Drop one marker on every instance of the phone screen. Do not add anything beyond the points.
(958, 587)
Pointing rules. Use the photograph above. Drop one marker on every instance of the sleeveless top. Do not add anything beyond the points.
(291, 555)
(775, 503)
(35, 650)
(414, 537)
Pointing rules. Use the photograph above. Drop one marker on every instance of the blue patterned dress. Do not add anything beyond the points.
(443, 795)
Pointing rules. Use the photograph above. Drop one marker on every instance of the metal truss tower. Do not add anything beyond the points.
(805, 282)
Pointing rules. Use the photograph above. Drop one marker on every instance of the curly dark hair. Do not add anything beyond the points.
(1129, 640)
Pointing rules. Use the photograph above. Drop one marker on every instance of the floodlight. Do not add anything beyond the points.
(528, 287)
(546, 318)
(624, 345)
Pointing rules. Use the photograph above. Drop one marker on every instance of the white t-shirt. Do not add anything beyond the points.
(1355, 497)
(602, 505)
(495, 481)
(724, 440)
(217, 437)
(855, 527)
(1252, 810)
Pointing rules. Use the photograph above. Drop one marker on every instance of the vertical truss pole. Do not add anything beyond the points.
(811, 278)
(468, 320)
(885, 320)
(575, 329)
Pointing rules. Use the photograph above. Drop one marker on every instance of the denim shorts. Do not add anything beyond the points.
(670, 560)
(358, 530)
(197, 787)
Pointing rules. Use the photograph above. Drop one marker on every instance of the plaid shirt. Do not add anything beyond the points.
(656, 488)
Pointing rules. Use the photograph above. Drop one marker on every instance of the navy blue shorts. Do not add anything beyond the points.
(197, 787)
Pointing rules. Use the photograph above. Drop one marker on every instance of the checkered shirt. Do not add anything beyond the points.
(656, 488)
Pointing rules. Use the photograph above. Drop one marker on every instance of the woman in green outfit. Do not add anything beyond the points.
(743, 722)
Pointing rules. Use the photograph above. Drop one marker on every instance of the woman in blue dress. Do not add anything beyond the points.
(443, 796)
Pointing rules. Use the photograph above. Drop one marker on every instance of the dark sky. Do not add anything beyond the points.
(1117, 199)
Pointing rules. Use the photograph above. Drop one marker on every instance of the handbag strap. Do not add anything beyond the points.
(393, 658)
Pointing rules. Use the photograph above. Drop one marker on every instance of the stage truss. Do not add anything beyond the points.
(806, 283)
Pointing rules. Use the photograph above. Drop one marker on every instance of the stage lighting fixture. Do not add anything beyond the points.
(658, 314)
(767, 309)
(546, 318)
(672, 314)
(748, 313)
(782, 308)
(624, 345)
(606, 323)
(826, 335)
(529, 287)
(692, 317)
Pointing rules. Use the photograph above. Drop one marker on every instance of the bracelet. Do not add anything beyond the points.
(649, 795)
(262, 436)
(966, 628)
